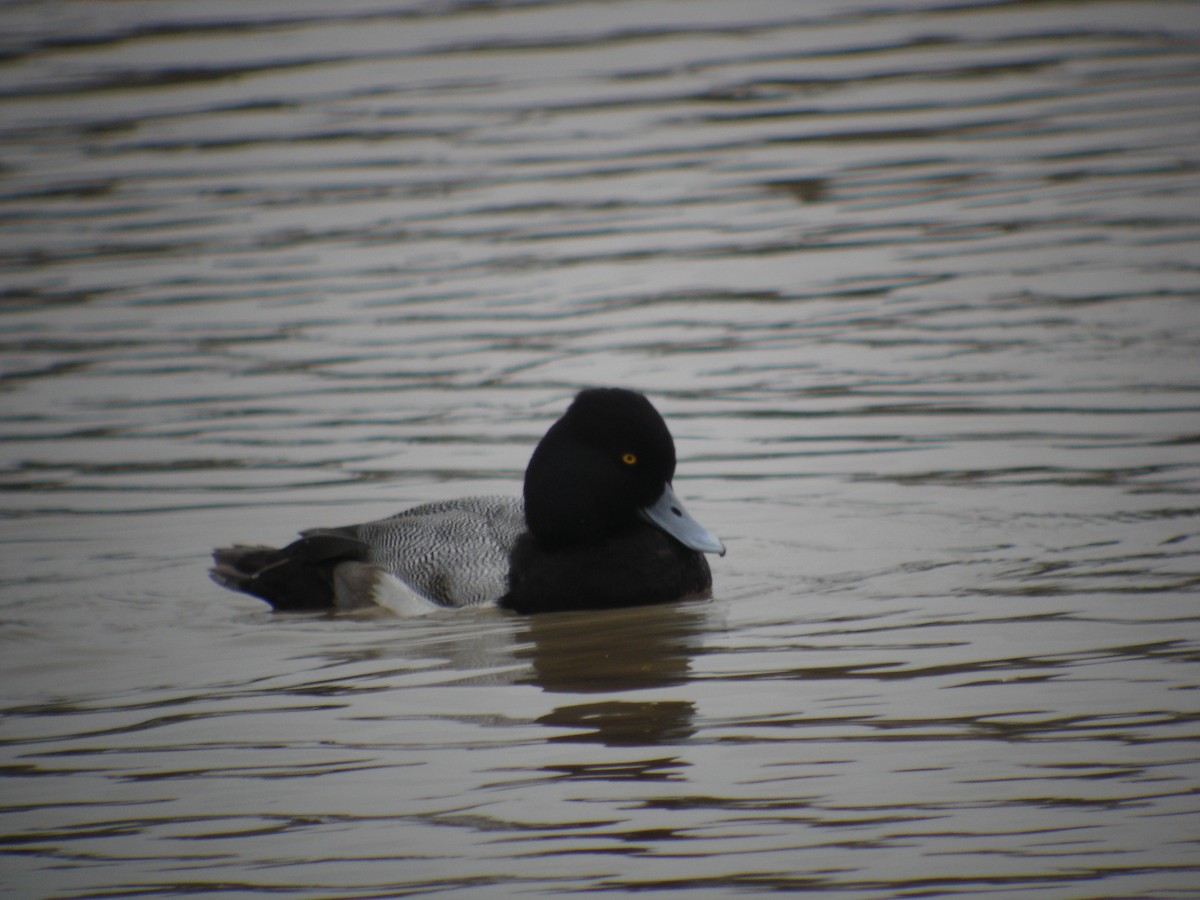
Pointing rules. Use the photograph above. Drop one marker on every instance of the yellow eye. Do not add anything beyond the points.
(629, 459)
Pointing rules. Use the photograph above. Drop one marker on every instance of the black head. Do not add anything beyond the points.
(608, 457)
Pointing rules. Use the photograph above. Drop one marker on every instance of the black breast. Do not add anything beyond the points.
(638, 567)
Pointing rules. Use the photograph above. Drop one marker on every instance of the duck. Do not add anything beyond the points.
(598, 526)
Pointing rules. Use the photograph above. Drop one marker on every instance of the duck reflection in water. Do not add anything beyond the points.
(616, 652)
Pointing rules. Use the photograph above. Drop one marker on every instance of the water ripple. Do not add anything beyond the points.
(915, 287)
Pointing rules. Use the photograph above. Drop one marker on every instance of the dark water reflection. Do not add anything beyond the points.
(628, 651)
(916, 287)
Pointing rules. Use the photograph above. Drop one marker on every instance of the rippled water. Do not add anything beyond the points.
(916, 286)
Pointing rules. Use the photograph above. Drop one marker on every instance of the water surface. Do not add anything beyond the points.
(916, 287)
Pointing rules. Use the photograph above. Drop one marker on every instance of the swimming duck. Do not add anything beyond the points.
(599, 526)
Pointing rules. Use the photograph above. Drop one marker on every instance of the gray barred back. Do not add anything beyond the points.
(454, 552)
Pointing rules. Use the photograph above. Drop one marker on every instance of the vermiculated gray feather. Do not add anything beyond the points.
(453, 552)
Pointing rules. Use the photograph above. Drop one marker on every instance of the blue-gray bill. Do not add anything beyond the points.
(667, 513)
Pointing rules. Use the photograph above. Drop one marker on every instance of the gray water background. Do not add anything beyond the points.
(915, 285)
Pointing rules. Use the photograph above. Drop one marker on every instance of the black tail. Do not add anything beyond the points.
(297, 578)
